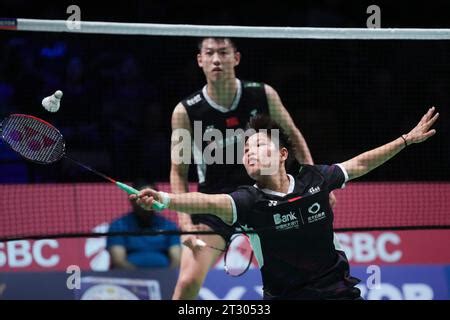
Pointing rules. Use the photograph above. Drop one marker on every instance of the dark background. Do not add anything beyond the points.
(119, 91)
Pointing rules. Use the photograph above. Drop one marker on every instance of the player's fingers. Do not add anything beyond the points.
(145, 202)
(429, 134)
(142, 199)
(148, 200)
(430, 122)
(142, 193)
(146, 192)
(427, 115)
(133, 197)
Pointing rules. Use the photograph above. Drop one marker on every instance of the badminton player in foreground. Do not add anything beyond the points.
(292, 217)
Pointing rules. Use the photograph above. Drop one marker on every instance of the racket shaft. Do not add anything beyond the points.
(156, 205)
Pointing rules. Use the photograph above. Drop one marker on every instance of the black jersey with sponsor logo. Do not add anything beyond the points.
(204, 115)
(295, 246)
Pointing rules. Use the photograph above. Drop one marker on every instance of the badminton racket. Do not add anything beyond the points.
(38, 141)
(237, 255)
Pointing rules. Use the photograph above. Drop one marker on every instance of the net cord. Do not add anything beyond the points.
(152, 29)
(178, 232)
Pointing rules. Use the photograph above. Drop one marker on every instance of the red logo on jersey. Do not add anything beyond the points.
(294, 199)
(232, 122)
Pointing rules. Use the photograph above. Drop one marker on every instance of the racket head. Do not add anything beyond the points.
(238, 255)
(33, 138)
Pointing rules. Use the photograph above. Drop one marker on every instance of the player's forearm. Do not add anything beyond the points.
(178, 180)
(301, 150)
(367, 161)
(179, 184)
(201, 203)
(281, 116)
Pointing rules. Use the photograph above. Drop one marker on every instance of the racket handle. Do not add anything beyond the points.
(130, 190)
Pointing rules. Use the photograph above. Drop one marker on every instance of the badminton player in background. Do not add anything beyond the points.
(225, 102)
(294, 221)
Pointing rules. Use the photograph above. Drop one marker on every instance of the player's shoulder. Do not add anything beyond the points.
(247, 84)
(322, 170)
(309, 170)
(193, 99)
(258, 88)
(249, 190)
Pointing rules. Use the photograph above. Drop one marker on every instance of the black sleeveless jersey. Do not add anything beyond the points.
(295, 245)
(221, 170)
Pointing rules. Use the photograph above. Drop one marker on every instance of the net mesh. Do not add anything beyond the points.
(346, 96)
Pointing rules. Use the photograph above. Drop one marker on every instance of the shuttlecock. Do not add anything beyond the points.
(52, 103)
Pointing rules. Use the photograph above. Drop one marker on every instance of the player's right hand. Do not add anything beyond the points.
(146, 197)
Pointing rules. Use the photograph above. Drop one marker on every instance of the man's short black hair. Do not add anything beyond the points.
(230, 40)
(260, 122)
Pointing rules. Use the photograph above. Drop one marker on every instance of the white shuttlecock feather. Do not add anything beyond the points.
(53, 102)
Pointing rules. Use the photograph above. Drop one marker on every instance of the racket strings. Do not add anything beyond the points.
(33, 139)
(239, 262)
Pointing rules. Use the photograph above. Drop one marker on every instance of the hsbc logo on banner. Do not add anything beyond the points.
(22, 254)
(95, 250)
(367, 247)
(52, 254)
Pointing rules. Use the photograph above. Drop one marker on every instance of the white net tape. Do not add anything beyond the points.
(230, 31)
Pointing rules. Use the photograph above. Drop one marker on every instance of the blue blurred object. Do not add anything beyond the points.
(58, 50)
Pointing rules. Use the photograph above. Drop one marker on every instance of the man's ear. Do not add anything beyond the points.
(284, 153)
(199, 60)
(237, 58)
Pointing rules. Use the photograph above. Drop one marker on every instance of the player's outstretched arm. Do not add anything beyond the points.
(367, 161)
(192, 203)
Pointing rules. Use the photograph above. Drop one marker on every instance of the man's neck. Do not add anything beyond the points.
(223, 92)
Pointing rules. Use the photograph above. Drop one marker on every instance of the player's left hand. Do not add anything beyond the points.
(422, 131)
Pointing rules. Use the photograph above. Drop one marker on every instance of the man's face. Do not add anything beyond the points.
(262, 156)
(218, 58)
